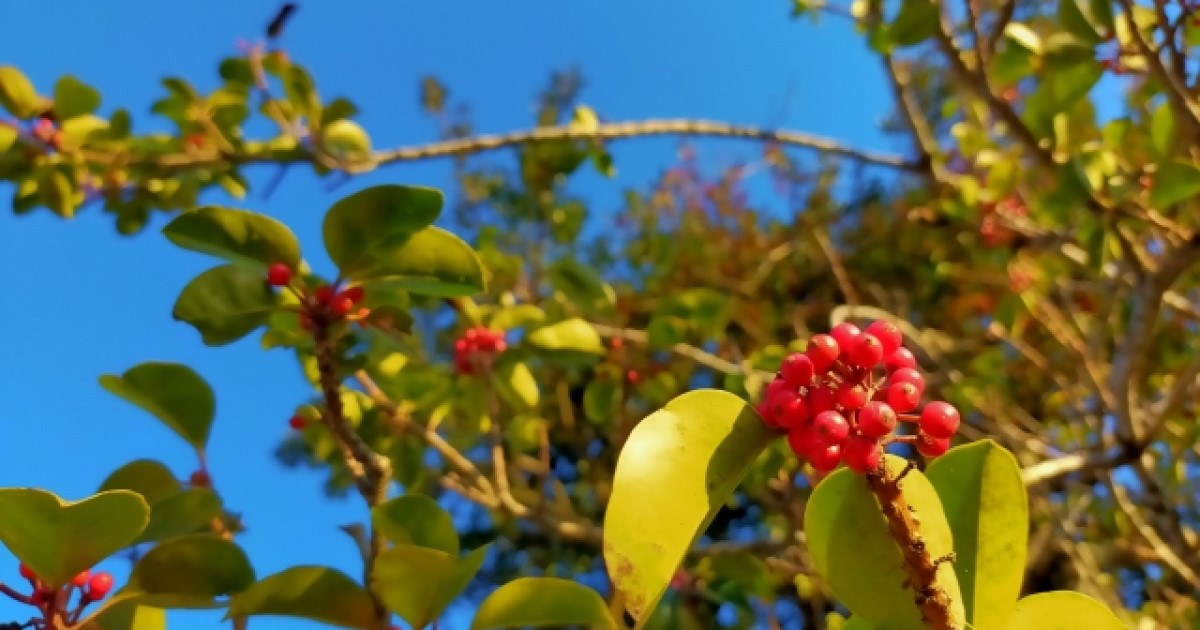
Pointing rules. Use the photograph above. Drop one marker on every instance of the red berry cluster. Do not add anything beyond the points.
(324, 304)
(839, 407)
(476, 349)
(46, 132)
(53, 600)
(993, 231)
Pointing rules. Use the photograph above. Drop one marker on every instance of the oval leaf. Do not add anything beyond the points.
(357, 226)
(984, 500)
(17, 94)
(189, 572)
(1174, 182)
(59, 539)
(73, 97)
(128, 615)
(235, 235)
(418, 520)
(541, 602)
(431, 262)
(173, 393)
(685, 461)
(185, 512)
(847, 531)
(516, 384)
(418, 583)
(582, 286)
(575, 335)
(225, 304)
(1063, 610)
(309, 592)
(151, 479)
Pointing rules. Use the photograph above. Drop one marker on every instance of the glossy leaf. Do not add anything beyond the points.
(1174, 182)
(430, 262)
(916, 22)
(516, 384)
(151, 479)
(58, 539)
(309, 592)
(185, 512)
(984, 500)
(539, 602)
(175, 394)
(418, 583)
(582, 286)
(574, 335)
(129, 615)
(847, 531)
(73, 97)
(190, 572)
(225, 304)
(237, 236)
(416, 519)
(1063, 610)
(684, 460)
(17, 94)
(360, 225)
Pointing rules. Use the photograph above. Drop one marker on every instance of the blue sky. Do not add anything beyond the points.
(82, 301)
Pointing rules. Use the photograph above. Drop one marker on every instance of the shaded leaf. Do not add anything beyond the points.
(916, 22)
(225, 304)
(318, 593)
(416, 519)
(129, 615)
(538, 602)
(582, 286)
(151, 479)
(358, 225)
(418, 583)
(1174, 182)
(237, 236)
(190, 572)
(600, 400)
(185, 512)
(73, 97)
(175, 394)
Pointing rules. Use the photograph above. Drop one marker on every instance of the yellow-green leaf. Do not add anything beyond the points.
(539, 602)
(1174, 182)
(73, 97)
(431, 261)
(17, 94)
(151, 479)
(418, 520)
(516, 384)
(418, 583)
(1062, 610)
(237, 236)
(574, 335)
(366, 221)
(175, 394)
(317, 593)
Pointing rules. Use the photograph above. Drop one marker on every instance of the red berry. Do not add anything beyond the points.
(862, 455)
(200, 479)
(323, 294)
(297, 422)
(500, 346)
(279, 275)
(939, 420)
(342, 306)
(804, 441)
(903, 397)
(632, 376)
(888, 334)
(26, 572)
(81, 579)
(821, 399)
(866, 352)
(797, 370)
(827, 458)
(767, 414)
(901, 358)
(831, 426)
(877, 419)
(790, 410)
(460, 345)
(823, 350)
(616, 343)
(851, 396)
(471, 335)
(844, 333)
(355, 294)
(931, 446)
(99, 586)
(304, 321)
(908, 375)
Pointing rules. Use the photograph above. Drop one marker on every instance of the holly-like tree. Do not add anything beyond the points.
(953, 387)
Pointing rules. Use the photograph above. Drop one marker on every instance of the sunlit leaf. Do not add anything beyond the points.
(175, 394)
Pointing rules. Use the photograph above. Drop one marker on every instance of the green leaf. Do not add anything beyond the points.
(189, 572)
(346, 139)
(857, 623)
(369, 220)
(1089, 20)
(847, 531)
(575, 335)
(418, 583)
(1024, 36)
(1162, 129)
(515, 383)
(8, 137)
(237, 236)
(533, 602)
(337, 109)
(73, 97)
(1174, 182)
(185, 512)
(679, 466)
(17, 94)
(516, 316)
(600, 400)
(916, 22)
(430, 262)
(416, 519)
(225, 304)
(59, 539)
(151, 479)
(582, 286)
(318, 593)
(56, 192)
(1061, 90)
(1063, 610)
(984, 500)
(129, 615)
(173, 393)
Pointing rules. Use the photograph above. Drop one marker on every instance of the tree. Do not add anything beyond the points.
(1037, 260)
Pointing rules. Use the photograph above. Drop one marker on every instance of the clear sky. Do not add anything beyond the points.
(82, 301)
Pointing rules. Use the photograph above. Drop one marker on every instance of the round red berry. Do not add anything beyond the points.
(342, 306)
(632, 376)
(877, 419)
(939, 420)
(826, 458)
(26, 572)
(99, 585)
(279, 275)
(790, 411)
(804, 441)
(821, 399)
(903, 397)
(297, 422)
(797, 370)
(888, 334)
(323, 294)
(500, 346)
(471, 335)
(831, 426)
(200, 479)
(616, 343)
(851, 396)
(81, 579)
(844, 333)
(865, 352)
(823, 350)
(766, 412)
(908, 375)
(355, 294)
(862, 454)
(931, 446)
(460, 345)
(901, 358)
